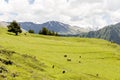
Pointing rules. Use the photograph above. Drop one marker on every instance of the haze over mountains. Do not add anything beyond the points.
(61, 28)
(3, 24)
(110, 33)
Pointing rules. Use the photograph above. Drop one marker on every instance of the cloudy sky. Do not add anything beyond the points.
(83, 13)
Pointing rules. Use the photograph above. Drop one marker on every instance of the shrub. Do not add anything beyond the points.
(31, 31)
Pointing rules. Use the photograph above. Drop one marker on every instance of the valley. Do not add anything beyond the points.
(39, 57)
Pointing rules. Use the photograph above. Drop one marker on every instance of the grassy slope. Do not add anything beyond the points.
(36, 55)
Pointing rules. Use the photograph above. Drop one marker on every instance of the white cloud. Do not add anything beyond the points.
(83, 13)
(112, 4)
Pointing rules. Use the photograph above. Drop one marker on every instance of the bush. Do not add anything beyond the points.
(31, 31)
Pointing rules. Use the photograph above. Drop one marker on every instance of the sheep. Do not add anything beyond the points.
(25, 33)
(63, 72)
(79, 61)
(97, 75)
(65, 55)
(53, 66)
(79, 56)
(68, 59)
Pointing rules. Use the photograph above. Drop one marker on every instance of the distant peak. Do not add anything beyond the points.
(56, 22)
(53, 22)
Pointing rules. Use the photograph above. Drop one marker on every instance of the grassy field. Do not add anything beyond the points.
(38, 57)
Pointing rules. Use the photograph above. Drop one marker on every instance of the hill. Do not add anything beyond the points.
(61, 28)
(111, 33)
(38, 57)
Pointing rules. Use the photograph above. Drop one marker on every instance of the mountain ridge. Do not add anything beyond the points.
(110, 33)
(56, 26)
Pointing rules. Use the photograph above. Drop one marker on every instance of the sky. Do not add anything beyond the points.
(83, 13)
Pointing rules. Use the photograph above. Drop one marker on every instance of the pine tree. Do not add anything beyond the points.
(44, 31)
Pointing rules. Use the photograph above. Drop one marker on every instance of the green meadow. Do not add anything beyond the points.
(38, 57)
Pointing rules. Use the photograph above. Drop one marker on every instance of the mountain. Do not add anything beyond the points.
(61, 28)
(111, 33)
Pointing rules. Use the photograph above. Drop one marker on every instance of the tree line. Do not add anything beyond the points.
(15, 28)
(45, 31)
